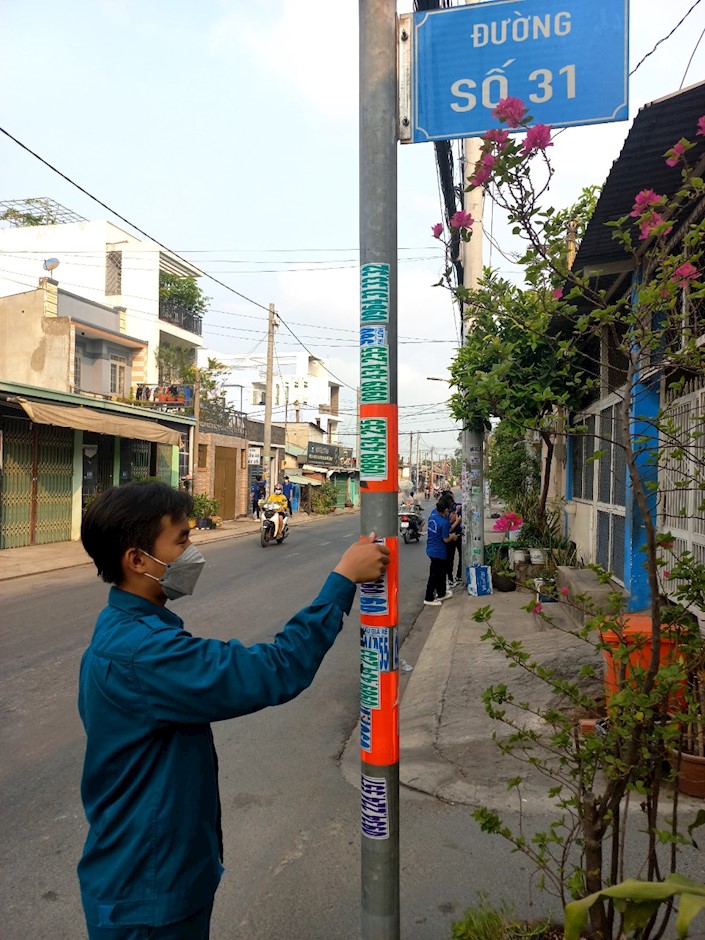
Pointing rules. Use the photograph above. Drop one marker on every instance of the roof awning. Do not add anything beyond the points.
(303, 481)
(103, 422)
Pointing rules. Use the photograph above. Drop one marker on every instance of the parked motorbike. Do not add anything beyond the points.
(268, 525)
(411, 523)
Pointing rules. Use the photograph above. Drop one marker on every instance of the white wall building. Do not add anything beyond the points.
(103, 263)
(302, 389)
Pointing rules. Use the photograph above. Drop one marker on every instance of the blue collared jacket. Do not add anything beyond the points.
(148, 690)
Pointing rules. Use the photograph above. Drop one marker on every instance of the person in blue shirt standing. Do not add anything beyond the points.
(258, 491)
(148, 690)
(454, 544)
(438, 535)
(288, 490)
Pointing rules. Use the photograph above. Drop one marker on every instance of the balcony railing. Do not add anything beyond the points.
(180, 316)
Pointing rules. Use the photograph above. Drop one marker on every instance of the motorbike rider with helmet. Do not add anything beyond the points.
(280, 499)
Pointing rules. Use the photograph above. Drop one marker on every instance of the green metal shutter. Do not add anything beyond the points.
(16, 478)
(164, 463)
(54, 484)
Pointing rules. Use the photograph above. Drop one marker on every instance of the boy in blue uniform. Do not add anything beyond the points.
(438, 535)
(148, 691)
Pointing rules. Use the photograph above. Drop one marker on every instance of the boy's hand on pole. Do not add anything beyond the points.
(364, 561)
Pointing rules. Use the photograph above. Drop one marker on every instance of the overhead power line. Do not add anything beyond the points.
(165, 247)
(664, 38)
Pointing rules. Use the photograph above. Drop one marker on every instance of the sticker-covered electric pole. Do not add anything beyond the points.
(379, 652)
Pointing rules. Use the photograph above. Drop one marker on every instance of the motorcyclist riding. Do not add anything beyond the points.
(279, 498)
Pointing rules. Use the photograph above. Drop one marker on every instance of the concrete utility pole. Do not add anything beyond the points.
(267, 456)
(418, 454)
(379, 461)
(196, 418)
(472, 477)
(411, 452)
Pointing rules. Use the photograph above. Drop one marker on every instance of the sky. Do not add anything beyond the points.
(228, 131)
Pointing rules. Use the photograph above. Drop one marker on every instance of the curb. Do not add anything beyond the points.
(214, 535)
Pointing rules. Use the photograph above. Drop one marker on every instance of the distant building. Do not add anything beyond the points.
(100, 262)
(303, 392)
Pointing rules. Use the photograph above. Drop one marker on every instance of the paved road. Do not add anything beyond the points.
(284, 797)
(291, 816)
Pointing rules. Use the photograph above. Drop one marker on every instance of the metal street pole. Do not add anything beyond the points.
(379, 459)
(267, 455)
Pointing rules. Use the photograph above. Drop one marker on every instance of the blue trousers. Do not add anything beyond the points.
(195, 927)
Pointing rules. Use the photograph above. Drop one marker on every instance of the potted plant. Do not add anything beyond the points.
(546, 589)
(204, 506)
(503, 577)
(688, 757)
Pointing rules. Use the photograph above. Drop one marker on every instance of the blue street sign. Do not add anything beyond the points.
(566, 59)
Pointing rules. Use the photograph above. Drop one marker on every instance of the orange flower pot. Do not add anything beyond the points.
(636, 636)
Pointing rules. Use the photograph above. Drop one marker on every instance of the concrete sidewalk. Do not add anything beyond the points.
(446, 744)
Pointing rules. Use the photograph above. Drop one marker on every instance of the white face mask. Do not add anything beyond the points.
(180, 576)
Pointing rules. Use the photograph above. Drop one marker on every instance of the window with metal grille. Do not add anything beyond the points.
(604, 484)
(77, 363)
(583, 466)
(113, 272)
(118, 369)
(577, 465)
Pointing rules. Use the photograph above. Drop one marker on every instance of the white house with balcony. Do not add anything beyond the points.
(303, 391)
(103, 263)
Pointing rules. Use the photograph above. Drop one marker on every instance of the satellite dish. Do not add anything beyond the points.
(50, 264)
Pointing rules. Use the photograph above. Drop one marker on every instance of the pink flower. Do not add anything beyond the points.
(511, 111)
(537, 137)
(437, 229)
(558, 293)
(675, 153)
(537, 609)
(480, 177)
(684, 274)
(701, 127)
(461, 220)
(649, 223)
(667, 575)
(488, 161)
(644, 201)
(565, 591)
(509, 522)
(499, 137)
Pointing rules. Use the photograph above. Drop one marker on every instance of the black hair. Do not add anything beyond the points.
(446, 501)
(129, 516)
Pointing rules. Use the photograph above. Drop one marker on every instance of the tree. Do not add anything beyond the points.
(511, 368)
(175, 363)
(177, 367)
(182, 292)
(650, 330)
(514, 469)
